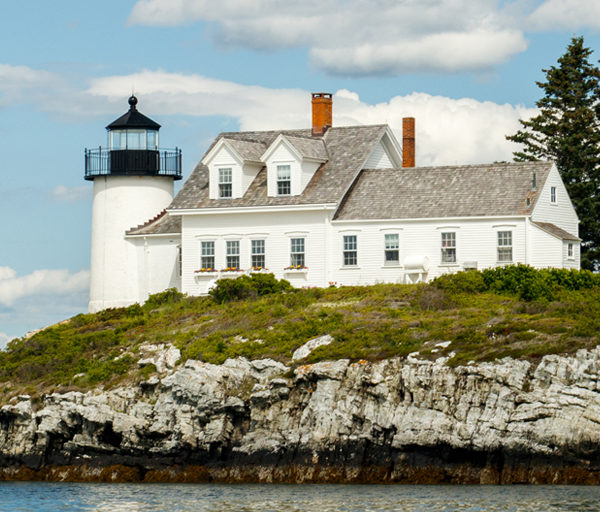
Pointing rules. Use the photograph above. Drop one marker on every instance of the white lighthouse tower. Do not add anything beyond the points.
(133, 182)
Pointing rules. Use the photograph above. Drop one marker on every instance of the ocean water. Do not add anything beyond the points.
(42, 496)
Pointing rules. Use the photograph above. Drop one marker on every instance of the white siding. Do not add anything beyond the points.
(157, 264)
(476, 241)
(547, 250)
(379, 158)
(571, 262)
(561, 213)
(276, 228)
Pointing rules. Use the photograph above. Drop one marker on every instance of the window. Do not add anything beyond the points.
(392, 249)
(448, 247)
(257, 253)
(225, 182)
(179, 261)
(553, 195)
(232, 255)
(284, 180)
(297, 252)
(505, 246)
(207, 255)
(152, 139)
(118, 140)
(570, 253)
(350, 251)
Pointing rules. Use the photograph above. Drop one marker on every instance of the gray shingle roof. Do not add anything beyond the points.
(556, 231)
(248, 150)
(449, 191)
(309, 147)
(347, 149)
(162, 224)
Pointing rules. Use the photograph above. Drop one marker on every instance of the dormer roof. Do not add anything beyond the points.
(305, 148)
(243, 150)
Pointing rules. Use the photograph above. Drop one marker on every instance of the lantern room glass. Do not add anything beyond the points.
(133, 139)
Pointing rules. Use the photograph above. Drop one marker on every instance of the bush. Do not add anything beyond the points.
(244, 287)
(470, 281)
(169, 296)
(523, 281)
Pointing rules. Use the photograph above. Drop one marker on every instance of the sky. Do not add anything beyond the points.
(465, 69)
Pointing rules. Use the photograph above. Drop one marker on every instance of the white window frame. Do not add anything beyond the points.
(207, 254)
(257, 253)
(505, 246)
(232, 253)
(391, 247)
(350, 250)
(283, 182)
(225, 176)
(298, 252)
(553, 198)
(570, 251)
(448, 246)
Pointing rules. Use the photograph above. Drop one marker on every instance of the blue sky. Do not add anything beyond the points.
(466, 69)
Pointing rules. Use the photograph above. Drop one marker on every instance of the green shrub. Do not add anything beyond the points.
(244, 287)
(169, 296)
(470, 281)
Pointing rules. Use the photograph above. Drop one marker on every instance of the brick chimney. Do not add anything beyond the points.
(322, 107)
(408, 142)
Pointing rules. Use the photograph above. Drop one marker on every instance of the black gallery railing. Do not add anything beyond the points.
(129, 162)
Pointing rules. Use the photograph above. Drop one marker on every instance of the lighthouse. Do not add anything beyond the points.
(133, 182)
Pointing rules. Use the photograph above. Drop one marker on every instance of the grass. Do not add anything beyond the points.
(370, 323)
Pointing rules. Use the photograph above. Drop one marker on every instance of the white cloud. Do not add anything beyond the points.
(357, 37)
(4, 339)
(566, 14)
(70, 194)
(449, 130)
(40, 283)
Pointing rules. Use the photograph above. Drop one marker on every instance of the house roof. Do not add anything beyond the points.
(556, 231)
(347, 148)
(309, 147)
(247, 150)
(162, 224)
(447, 191)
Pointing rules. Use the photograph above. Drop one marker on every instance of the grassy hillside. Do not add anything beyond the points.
(512, 311)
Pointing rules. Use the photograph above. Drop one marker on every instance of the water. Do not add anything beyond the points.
(42, 497)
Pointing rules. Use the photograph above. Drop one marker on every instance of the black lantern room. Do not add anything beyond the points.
(133, 149)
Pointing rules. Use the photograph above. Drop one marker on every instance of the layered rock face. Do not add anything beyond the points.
(398, 420)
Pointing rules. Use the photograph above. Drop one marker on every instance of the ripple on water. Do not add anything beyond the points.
(43, 496)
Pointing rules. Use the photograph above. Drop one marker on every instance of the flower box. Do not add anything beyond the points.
(297, 269)
(206, 272)
(259, 270)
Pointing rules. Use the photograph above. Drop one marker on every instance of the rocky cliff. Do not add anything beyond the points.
(398, 420)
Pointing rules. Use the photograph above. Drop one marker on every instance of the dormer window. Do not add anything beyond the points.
(291, 163)
(225, 182)
(284, 180)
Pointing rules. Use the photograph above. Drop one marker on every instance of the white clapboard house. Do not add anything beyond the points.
(331, 204)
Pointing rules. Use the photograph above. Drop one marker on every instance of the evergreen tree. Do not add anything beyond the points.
(567, 130)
